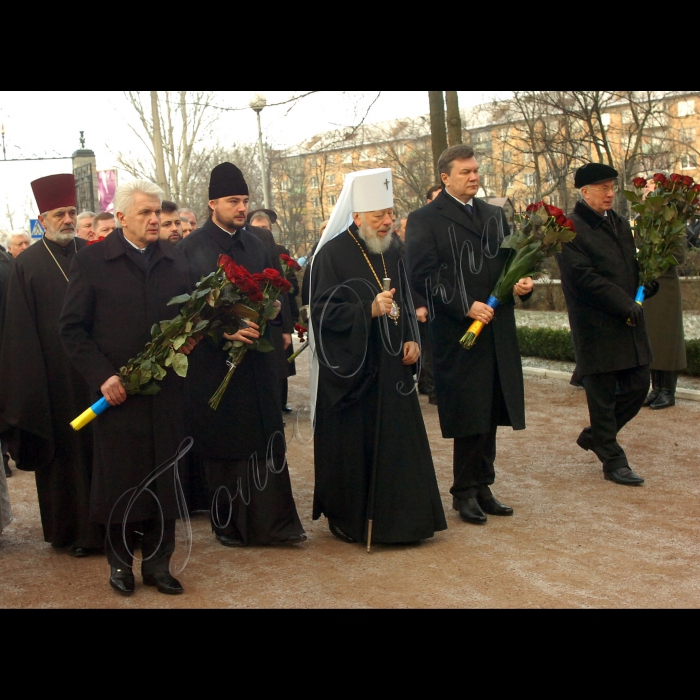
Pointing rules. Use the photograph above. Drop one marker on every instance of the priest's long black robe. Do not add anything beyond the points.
(41, 392)
(407, 505)
(248, 419)
(111, 304)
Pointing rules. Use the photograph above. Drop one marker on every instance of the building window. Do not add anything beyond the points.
(529, 179)
(689, 161)
(605, 118)
(313, 183)
(284, 185)
(481, 137)
(508, 182)
(400, 149)
(687, 135)
(627, 117)
(330, 179)
(347, 158)
(686, 108)
(332, 199)
(315, 202)
(364, 154)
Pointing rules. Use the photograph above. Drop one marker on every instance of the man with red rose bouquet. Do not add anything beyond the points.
(600, 276)
(240, 444)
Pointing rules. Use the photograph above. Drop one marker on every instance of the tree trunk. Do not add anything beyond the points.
(437, 127)
(158, 146)
(454, 120)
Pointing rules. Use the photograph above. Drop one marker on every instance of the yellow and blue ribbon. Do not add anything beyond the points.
(90, 414)
(639, 296)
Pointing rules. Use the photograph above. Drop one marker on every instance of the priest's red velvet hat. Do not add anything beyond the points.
(54, 191)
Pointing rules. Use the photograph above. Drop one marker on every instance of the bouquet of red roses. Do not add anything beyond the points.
(258, 293)
(540, 234)
(660, 225)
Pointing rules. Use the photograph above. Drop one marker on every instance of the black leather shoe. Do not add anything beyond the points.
(664, 399)
(432, 400)
(229, 541)
(469, 510)
(624, 476)
(78, 552)
(6, 464)
(490, 504)
(122, 580)
(339, 533)
(164, 582)
(286, 409)
(292, 539)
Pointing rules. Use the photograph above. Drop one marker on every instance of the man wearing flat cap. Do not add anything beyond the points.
(40, 391)
(599, 277)
(241, 443)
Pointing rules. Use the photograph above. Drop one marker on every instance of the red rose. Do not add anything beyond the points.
(97, 240)
(568, 223)
(290, 262)
(299, 328)
(639, 182)
(687, 181)
(553, 211)
(534, 206)
(660, 178)
(561, 219)
(675, 177)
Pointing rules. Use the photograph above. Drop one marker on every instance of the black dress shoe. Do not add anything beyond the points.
(164, 582)
(292, 539)
(76, 551)
(286, 409)
(491, 505)
(229, 541)
(122, 580)
(6, 464)
(469, 510)
(664, 399)
(432, 400)
(339, 533)
(624, 476)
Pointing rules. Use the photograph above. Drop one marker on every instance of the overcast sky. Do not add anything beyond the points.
(42, 124)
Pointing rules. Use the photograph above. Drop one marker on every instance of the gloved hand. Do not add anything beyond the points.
(650, 289)
(636, 315)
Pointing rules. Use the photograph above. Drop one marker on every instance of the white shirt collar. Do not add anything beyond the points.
(470, 201)
(133, 245)
(224, 230)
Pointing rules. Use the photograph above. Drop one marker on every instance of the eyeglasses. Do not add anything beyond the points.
(605, 190)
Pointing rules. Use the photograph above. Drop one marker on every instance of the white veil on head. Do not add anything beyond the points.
(364, 190)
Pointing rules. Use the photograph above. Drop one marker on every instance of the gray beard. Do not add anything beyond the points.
(62, 238)
(375, 245)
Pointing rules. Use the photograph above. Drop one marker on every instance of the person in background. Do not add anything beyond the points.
(307, 266)
(664, 320)
(191, 216)
(84, 227)
(186, 226)
(19, 242)
(5, 267)
(432, 193)
(103, 225)
(170, 225)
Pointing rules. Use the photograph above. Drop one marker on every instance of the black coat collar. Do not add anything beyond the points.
(447, 206)
(222, 238)
(592, 218)
(113, 247)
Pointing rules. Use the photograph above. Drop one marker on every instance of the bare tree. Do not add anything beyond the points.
(453, 118)
(185, 124)
(437, 126)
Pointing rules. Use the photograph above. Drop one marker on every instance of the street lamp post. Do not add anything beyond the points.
(257, 104)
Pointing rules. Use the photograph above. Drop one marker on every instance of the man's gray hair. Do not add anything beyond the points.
(126, 193)
(260, 215)
(18, 232)
(85, 214)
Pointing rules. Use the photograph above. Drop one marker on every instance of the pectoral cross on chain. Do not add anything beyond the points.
(386, 183)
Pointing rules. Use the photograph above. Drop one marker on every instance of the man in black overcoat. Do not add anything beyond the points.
(118, 289)
(599, 277)
(454, 259)
(40, 391)
(241, 443)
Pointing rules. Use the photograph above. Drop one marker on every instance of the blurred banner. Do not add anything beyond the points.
(106, 186)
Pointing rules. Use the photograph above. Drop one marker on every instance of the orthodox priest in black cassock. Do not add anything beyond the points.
(356, 366)
(40, 391)
(241, 443)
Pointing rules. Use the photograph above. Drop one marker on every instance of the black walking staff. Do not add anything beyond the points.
(386, 281)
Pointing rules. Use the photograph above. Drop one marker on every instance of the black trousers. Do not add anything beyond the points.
(614, 398)
(116, 550)
(474, 455)
(426, 379)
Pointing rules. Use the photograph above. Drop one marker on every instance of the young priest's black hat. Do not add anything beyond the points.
(226, 180)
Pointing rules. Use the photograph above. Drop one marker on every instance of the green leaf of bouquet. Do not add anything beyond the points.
(631, 196)
(179, 341)
(179, 299)
(200, 325)
(264, 345)
(150, 389)
(180, 364)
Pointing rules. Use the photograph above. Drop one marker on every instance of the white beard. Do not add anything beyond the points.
(375, 244)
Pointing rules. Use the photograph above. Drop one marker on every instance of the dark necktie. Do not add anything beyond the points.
(469, 209)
